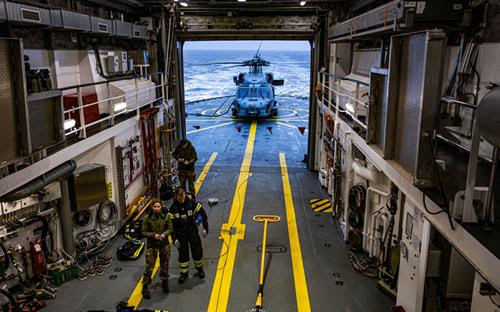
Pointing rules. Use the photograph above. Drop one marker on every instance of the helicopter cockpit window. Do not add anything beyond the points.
(264, 93)
(242, 92)
(253, 92)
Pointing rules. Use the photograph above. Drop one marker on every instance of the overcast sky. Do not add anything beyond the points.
(249, 45)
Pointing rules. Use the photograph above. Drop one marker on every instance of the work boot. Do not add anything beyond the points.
(145, 292)
(201, 273)
(164, 286)
(182, 278)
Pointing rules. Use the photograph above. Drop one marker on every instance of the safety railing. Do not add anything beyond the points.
(111, 105)
(338, 101)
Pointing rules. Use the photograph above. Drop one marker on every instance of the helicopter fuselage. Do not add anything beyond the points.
(254, 97)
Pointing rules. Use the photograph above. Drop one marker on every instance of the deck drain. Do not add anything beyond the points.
(327, 245)
(112, 277)
(274, 249)
(339, 283)
(321, 225)
(318, 215)
(118, 270)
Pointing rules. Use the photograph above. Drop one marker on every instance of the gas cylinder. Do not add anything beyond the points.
(37, 259)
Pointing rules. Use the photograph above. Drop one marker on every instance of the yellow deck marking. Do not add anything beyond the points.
(211, 127)
(222, 282)
(301, 292)
(136, 296)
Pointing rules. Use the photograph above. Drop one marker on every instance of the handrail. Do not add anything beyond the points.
(345, 78)
(152, 94)
(90, 84)
(333, 90)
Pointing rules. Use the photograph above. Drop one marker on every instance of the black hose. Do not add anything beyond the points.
(37, 184)
(6, 262)
(15, 306)
(357, 198)
(103, 219)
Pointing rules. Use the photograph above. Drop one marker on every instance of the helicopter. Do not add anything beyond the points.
(255, 93)
(255, 96)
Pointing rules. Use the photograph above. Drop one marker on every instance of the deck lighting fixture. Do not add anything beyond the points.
(120, 106)
(302, 3)
(70, 123)
(183, 3)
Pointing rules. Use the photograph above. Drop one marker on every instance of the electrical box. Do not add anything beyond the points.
(123, 62)
(414, 247)
(87, 186)
(113, 63)
(139, 31)
(45, 119)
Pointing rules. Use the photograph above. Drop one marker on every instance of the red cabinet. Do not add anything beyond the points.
(90, 113)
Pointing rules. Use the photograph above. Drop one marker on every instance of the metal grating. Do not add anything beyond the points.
(9, 138)
(120, 180)
(410, 99)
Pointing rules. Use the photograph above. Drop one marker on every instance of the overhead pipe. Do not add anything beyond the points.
(370, 174)
(37, 184)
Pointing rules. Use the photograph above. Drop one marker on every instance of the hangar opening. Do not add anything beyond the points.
(228, 85)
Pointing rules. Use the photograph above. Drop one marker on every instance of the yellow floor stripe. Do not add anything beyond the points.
(320, 203)
(222, 283)
(204, 172)
(211, 127)
(301, 292)
(136, 296)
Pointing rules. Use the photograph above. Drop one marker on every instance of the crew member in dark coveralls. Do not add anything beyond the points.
(184, 214)
(185, 154)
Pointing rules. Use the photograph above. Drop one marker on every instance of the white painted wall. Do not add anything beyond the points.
(121, 140)
(483, 303)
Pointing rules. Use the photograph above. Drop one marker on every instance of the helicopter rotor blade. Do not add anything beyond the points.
(213, 69)
(217, 63)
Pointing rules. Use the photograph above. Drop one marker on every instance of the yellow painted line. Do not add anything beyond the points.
(299, 276)
(204, 172)
(136, 296)
(211, 127)
(222, 282)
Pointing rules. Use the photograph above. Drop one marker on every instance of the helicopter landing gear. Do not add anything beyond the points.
(234, 112)
(274, 112)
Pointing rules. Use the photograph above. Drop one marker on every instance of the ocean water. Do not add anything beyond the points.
(210, 81)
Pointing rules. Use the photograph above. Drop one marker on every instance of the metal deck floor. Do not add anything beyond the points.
(332, 284)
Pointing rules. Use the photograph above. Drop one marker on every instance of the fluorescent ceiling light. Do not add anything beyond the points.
(242, 0)
(120, 106)
(70, 123)
(184, 4)
(302, 2)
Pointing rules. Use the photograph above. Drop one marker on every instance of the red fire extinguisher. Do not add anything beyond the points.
(37, 259)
